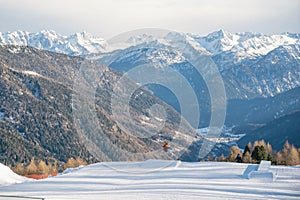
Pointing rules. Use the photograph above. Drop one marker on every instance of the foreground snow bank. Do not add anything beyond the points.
(8, 177)
(158, 179)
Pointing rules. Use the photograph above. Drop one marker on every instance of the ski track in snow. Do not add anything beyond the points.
(166, 180)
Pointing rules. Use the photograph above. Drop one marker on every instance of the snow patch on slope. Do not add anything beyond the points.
(31, 73)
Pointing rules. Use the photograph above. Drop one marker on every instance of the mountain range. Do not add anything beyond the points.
(261, 73)
(252, 65)
(79, 44)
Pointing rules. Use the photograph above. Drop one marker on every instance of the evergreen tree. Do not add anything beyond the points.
(250, 147)
(259, 153)
(239, 158)
(270, 158)
(247, 149)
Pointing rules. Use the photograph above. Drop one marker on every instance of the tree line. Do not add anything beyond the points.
(41, 167)
(253, 153)
(260, 150)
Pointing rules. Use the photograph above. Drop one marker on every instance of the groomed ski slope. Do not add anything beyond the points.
(157, 179)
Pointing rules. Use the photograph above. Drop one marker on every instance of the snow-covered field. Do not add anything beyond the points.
(157, 179)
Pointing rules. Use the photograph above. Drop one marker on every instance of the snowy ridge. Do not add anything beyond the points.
(80, 44)
(245, 44)
(83, 44)
(251, 64)
(234, 48)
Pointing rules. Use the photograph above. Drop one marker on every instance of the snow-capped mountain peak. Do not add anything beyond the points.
(235, 54)
(245, 44)
(220, 34)
(81, 44)
(218, 41)
(234, 46)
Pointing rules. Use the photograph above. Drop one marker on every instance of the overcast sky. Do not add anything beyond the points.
(111, 17)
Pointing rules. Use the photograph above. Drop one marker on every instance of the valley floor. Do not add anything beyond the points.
(157, 179)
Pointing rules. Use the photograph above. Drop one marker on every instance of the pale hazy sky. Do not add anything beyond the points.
(111, 17)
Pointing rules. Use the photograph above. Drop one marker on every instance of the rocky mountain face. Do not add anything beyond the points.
(271, 67)
(252, 65)
(270, 74)
(37, 113)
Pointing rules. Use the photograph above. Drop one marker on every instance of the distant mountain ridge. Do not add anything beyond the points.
(252, 65)
(78, 44)
(241, 45)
